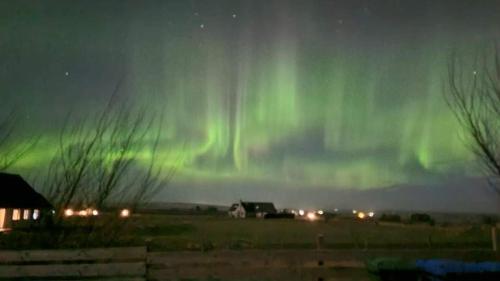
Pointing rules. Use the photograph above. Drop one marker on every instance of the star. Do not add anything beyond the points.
(234, 16)
(66, 73)
(202, 25)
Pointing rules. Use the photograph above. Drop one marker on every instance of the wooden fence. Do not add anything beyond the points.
(127, 264)
(282, 265)
(136, 263)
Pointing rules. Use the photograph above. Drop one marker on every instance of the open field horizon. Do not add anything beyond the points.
(218, 232)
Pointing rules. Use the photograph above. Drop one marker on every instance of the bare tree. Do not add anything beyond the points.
(97, 160)
(11, 150)
(474, 97)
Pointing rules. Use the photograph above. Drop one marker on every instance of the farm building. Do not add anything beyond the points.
(20, 204)
(251, 209)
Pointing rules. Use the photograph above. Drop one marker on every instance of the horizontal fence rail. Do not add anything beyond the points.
(86, 264)
(98, 254)
(137, 264)
(283, 265)
(253, 265)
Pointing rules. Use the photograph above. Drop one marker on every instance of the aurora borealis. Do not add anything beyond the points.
(268, 97)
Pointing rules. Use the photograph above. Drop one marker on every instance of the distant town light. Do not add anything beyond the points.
(354, 211)
(301, 212)
(320, 212)
(361, 215)
(335, 210)
(124, 213)
(83, 213)
(68, 212)
(95, 212)
(311, 216)
(371, 214)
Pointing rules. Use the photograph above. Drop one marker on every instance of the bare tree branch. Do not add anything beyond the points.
(11, 151)
(474, 97)
(96, 163)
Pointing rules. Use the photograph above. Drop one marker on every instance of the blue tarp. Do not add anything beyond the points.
(433, 270)
(445, 267)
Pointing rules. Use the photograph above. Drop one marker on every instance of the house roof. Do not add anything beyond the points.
(15, 192)
(254, 207)
(233, 207)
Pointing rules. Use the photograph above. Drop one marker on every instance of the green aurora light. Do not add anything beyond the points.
(291, 94)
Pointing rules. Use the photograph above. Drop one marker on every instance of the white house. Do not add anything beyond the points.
(251, 209)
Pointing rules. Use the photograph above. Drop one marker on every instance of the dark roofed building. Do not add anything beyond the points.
(19, 202)
(251, 209)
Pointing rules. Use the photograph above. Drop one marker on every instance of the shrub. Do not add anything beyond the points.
(421, 218)
(489, 220)
(390, 218)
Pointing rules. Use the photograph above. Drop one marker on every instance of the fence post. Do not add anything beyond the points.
(494, 238)
(320, 244)
(320, 241)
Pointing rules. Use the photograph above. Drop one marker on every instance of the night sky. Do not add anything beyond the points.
(304, 103)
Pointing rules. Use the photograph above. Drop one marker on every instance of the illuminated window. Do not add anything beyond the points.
(26, 214)
(36, 214)
(2, 218)
(16, 215)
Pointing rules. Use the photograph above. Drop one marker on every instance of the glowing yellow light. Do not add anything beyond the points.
(95, 212)
(361, 215)
(68, 212)
(371, 214)
(320, 212)
(311, 216)
(83, 213)
(16, 215)
(301, 212)
(124, 213)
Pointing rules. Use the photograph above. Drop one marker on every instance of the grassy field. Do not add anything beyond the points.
(168, 232)
(210, 232)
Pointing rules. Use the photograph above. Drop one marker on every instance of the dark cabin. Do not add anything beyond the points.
(20, 204)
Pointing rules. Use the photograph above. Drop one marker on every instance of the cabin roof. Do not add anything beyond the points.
(15, 192)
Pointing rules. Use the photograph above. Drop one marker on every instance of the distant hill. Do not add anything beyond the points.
(181, 206)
